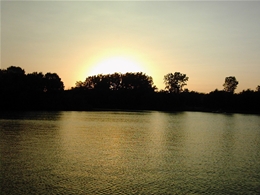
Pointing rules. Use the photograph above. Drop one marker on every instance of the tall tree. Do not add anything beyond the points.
(230, 84)
(175, 82)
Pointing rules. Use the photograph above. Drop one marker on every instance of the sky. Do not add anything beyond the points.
(207, 41)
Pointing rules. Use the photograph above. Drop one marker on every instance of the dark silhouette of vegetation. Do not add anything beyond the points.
(21, 91)
(117, 81)
(175, 82)
(258, 88)
(230, 84)
(120, 91)
(134, 91)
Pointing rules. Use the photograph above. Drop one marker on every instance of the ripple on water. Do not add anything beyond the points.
(130, 153)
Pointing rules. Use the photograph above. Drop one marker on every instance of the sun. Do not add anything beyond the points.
(117, 64)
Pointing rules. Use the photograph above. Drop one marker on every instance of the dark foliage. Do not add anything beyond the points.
(117, 91)
(258, 88)
(174, 83)
(34, 91)
(230, 84)
(133, 91)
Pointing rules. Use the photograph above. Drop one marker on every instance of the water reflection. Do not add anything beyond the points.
(28, 151)
(129, 153)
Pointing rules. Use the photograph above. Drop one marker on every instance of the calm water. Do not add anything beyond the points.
(129, 153)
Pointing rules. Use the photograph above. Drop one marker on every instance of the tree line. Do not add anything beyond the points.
(134, 91)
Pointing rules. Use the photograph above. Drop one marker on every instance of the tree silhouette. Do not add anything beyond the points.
(134, 91)
(175, 82)
(52, 83)
(258, 88)
(13, 80)
(230, 84)
(137, 81)
(35, 82)
(117, 82)
(15, 70)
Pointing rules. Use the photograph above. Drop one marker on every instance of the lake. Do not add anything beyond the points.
(144, 152)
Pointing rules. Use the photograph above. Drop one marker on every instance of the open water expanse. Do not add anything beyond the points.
(129, 153)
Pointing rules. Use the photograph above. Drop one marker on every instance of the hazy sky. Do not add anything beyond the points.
(208, 41)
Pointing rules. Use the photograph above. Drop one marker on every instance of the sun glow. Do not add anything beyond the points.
(116, 64)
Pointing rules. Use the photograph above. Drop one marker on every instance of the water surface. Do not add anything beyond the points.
(129, 153)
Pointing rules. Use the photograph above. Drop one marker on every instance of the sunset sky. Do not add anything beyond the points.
(207, 41)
